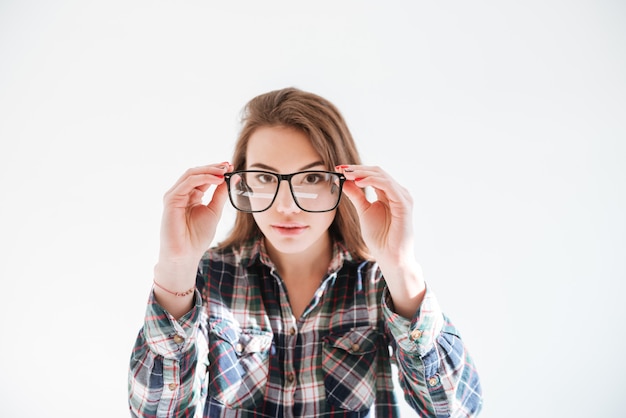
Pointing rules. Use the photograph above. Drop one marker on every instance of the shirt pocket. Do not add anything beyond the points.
(238, 365)
(349, 362)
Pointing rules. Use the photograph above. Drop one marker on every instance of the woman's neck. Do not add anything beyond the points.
(311, 263)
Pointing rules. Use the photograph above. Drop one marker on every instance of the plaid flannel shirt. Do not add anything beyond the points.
(240, 352)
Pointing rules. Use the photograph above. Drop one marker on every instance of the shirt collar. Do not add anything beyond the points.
(255, 251)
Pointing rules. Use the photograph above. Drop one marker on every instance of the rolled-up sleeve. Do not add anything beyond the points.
(437, 374)
(168, 363)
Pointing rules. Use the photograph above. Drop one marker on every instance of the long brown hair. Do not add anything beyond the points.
(324, 125)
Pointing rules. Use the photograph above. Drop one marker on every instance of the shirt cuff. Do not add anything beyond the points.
(166, 336)
(417, 335)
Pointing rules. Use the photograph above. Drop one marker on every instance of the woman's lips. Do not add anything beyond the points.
(289, 229)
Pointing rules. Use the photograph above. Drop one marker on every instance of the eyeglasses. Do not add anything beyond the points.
(312, 191)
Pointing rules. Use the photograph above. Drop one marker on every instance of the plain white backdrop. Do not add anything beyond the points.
(506, 121)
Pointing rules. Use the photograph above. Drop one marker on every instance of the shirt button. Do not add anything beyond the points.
(239, 347)
(291, 377)
(292, 331)
(178, 339)
(416, 334)
(355, 347)
(433, 381)
(172, 386)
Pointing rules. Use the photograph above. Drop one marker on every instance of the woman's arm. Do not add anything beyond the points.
(168, 366)
(187, 229)
(436, 371)
(166, 375)
(387, 229)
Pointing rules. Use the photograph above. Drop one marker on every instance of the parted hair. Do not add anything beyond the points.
(328, 132)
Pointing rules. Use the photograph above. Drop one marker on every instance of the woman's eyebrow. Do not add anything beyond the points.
(269, 168)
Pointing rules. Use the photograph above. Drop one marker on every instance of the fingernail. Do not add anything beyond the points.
(345, 168)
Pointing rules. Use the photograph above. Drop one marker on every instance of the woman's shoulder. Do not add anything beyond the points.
(234, 255)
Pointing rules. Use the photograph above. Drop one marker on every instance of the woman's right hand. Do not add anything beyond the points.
(188, 226)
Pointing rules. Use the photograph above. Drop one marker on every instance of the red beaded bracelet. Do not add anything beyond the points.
(185, 293)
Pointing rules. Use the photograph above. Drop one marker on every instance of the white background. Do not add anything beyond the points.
(506, 120)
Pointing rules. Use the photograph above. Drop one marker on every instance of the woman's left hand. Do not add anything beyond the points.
(387, 229)
(386, 223)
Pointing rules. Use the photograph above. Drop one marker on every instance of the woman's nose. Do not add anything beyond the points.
(284, 200)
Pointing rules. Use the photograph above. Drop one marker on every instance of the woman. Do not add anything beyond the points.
(303, 308)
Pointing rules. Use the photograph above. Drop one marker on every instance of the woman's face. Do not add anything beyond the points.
(286, 227)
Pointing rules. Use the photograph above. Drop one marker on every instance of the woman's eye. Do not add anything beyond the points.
(265, 178)
(312, 179)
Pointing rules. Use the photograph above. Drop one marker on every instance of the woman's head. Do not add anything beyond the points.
(324, 126)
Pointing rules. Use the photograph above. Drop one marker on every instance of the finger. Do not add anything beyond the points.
(350, 169)
(194, 182)
(362, 175)
(356, 196)
(390, 193)
(195, 197)
(219, 198)
(215, 169)
(381, 195)
(385, 187)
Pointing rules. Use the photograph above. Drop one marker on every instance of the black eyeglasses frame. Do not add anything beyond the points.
(287, 178)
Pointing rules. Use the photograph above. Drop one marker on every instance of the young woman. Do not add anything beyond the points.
(301, 311)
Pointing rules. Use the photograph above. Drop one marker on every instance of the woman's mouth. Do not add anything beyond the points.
(289, 229)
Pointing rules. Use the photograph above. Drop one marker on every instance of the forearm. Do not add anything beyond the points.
(167, 370)
(175, 277)
(406, 285)
(436, 370)
(161, 386)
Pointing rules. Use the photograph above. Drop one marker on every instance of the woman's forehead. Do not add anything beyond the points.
(281, 149)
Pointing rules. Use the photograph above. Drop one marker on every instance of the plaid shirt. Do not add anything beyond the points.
(240, 352)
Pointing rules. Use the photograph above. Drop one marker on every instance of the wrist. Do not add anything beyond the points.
(400, 266)
(175, 276)
(404, 279)
(178, 294)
